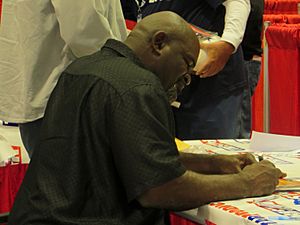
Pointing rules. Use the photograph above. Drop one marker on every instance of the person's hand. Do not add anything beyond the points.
(228, 164)
(261, 178)
(218, 54)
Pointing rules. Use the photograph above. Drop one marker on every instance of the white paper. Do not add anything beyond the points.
(6, 151)
(265, 142)
(13, 137)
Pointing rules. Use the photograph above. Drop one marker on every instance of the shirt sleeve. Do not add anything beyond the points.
(237, 12)
(86, 25)
(144, 146)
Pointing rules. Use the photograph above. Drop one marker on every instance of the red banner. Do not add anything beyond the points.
(281, 7)
(11, 177)
(178, 220)
(284, 69)
(0, 9)
(283, 18)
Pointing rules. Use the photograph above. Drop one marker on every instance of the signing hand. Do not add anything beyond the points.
(262, 177)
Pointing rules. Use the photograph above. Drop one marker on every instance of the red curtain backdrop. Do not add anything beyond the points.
(282, 18)
(178, 220)
(129, 24)
(11, 177)
(258, 102)
(0, 9)
(281, 6)
(284, 74)
(257, 99)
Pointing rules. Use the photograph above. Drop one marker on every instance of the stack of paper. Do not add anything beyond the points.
(265, 142)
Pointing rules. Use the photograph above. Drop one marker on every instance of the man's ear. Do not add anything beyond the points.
(159, 41)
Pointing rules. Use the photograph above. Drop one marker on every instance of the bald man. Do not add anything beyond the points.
(107, 153)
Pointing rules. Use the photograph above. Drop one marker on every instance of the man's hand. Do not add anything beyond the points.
(218, 54)
(262, 177)
(228, 164)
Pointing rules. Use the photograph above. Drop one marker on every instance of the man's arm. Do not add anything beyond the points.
(216, 163)
(86, 25)
(218, 53)
(192, 190)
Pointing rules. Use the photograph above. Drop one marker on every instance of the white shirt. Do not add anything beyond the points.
(39, 39)
(237, 12)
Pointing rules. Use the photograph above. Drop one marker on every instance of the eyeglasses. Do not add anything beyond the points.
(182, 82)
(187, 79)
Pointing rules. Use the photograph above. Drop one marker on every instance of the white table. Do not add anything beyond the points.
(275, 209)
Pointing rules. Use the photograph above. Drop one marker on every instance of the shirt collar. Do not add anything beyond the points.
(123, 50)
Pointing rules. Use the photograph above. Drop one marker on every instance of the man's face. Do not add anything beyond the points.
(176, 63)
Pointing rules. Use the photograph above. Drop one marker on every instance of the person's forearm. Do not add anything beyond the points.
(193, 190)
(201, 163)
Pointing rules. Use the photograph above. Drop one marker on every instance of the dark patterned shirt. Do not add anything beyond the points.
(107, 137)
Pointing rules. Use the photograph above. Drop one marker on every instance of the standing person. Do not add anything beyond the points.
(211, 107)
(38, 40)
(252, 43)
(107, 152)
(130, 9)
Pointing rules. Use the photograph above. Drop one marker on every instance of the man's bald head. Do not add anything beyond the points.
(166, 21)
(166, 45)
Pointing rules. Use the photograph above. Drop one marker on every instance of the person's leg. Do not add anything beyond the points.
(30, 133)
(253, 68)
(221, 117)
(253, 72)
(245, 116)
